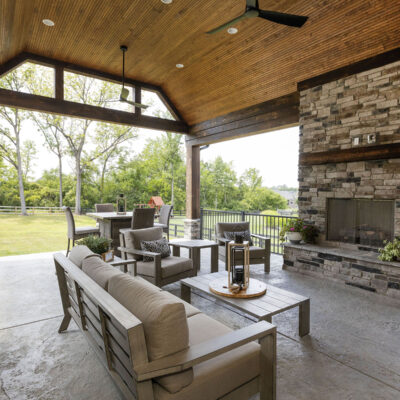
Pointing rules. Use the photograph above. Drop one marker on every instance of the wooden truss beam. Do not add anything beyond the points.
(51, 105)
(60, 106)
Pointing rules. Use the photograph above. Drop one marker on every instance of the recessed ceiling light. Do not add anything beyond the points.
(166, 1)
(232, 31)
(179, 65)
(48, 22)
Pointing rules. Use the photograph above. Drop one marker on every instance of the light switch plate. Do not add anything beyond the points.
(356, 141)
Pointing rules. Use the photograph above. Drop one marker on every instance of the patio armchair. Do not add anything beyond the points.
(163, 220)
(258, 255)
(106, 207)
(159, 271)
(75, 233)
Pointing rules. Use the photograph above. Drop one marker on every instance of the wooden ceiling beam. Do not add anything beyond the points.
(279, 113)
(60, 66)
(10, 98)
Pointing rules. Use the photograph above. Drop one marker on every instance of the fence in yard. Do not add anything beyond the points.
(15, 210)
(265, 225)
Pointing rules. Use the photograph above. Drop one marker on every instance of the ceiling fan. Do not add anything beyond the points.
(123, 97)
(253, 11)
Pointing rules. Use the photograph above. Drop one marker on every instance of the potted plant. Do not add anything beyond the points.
(391, 251)
(99, 245)
(292, 230)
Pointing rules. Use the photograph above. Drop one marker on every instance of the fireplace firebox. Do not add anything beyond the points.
(360, 221)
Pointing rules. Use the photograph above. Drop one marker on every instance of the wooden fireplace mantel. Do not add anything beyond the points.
(379, 152)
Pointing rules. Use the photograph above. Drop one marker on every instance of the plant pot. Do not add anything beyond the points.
(294, 237)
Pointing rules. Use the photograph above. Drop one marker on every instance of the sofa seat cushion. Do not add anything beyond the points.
(163, 317)
(79, 253)
(220, 375)
(99, 271)
(134, 237)
(170, 266)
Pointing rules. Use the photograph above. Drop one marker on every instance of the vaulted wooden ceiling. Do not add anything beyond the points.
(222, 73)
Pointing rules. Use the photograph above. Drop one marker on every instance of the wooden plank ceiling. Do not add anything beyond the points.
(223, 73)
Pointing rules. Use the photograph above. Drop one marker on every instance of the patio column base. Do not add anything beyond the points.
(192, 228)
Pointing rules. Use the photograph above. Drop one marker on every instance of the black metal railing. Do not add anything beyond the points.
(260, 224)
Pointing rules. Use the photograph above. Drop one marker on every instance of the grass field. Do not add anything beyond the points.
(35, 234)
(38, 234)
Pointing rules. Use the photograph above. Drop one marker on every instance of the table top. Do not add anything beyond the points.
(190, 243)
(110, 215)
(274, 301)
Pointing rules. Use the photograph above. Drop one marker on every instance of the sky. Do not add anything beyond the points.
(274, 154)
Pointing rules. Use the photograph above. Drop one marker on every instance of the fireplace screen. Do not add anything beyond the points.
(366, 222)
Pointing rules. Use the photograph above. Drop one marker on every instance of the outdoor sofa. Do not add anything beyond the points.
(156, 346)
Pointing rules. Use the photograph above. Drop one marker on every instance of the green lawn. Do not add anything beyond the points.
(42, 233)
(35, 234)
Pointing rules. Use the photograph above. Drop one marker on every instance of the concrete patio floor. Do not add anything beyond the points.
(352, 352)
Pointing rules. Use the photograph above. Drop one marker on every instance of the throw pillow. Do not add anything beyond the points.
(155, 246)
(245, 235)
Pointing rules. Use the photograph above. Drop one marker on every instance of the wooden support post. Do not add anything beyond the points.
(192, 182)
(138, 99)
(59, 82)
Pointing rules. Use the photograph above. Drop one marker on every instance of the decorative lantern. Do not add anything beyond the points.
(238, 266)
(121, 204)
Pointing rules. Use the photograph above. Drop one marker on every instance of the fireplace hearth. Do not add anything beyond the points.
(360, 221)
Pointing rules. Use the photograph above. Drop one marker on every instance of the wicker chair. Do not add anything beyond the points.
(142, 218)
(107, 207)
(163, 220)
(258, 255)
(77, 233)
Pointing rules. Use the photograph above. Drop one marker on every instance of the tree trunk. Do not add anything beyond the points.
(172, 190)
(78, 185)
(60, 180)
(20, 175)
(103, 172)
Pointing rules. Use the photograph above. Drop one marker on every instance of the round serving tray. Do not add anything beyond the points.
(256, 288)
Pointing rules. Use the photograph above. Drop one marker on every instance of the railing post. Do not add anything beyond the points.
(201, 223)
(243, 215)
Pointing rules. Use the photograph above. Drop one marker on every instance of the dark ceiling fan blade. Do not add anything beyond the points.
(247, 14)
(285, 19)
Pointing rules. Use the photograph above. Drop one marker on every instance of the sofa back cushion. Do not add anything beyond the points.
(99, 271)
(79, 253)
(164, 318)
(134, 237)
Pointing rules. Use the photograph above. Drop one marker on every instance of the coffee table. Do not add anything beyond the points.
(194, 247)
(274, 302)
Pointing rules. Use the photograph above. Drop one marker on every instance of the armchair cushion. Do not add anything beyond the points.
(79, 253)
(170, 266)
(255, 252)
(99, 271)
(164, 318)
(156, 246)
(134, 237)
(220, 375)
(244, 234)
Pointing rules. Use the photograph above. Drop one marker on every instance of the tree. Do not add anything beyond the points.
(108, 139)
(10, 129)
(76, 132)
(262, 198)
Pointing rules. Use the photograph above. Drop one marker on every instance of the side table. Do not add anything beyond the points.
(194, 247)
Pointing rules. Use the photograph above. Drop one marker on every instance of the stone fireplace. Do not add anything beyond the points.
(355, 204)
